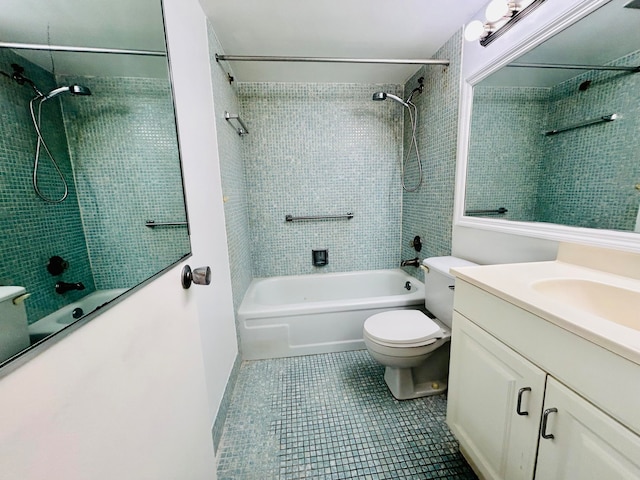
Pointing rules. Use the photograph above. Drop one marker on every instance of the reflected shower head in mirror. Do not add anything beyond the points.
(41, 144)
(378, 96)
(72, 89)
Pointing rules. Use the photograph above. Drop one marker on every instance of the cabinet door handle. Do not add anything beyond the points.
(519, 405)
(545, 416)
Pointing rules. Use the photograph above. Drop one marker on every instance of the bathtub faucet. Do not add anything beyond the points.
(63, 287)
(414, 262)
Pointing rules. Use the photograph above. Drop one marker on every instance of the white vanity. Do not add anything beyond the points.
(545, 367)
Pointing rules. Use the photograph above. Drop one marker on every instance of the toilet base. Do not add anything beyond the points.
(430, 378)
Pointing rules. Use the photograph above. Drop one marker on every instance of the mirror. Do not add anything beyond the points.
(77, 196)
(560, 145)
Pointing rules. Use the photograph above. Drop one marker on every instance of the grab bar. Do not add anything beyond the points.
(242, 129)
(604, 118)
(497, 211)
(153, 224)
(291, 218)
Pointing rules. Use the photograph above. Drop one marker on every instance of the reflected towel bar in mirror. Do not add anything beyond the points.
(152, 224)
(497, 211)
(291, 218)
(604, 118)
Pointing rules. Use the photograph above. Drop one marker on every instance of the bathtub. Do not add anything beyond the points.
(321, 313)
(61, 318)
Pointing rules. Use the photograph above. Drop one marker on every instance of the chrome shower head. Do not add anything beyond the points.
(384, 95)
(73, 89)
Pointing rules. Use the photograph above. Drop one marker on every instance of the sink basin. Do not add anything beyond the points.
(610, 302)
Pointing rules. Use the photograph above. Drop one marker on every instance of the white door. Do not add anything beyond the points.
(587, 444)
(494, 404)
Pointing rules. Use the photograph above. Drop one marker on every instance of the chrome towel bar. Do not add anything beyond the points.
(242, 129)
(497, 211)
(153, 224)
(291, 218)
(604, 118)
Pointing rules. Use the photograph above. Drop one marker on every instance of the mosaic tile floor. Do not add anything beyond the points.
(331, 417)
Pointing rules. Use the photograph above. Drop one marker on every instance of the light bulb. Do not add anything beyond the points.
(499, 9)
(474, 31)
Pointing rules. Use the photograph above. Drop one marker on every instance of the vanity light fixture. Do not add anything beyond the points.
(500, 16)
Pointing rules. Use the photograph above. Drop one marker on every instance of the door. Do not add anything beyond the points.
(494, 404)
(586, 443)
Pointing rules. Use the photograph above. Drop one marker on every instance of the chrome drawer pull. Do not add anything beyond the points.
(519, 405)
(545, 416)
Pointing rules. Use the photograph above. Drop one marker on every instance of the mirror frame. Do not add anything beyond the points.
(13, 363)
(541, 25)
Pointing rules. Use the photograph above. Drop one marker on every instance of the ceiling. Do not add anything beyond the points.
(330, 28)
(334, 28)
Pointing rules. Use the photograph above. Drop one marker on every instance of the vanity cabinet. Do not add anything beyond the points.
(511, 409)
(586, 442)
(494, 403)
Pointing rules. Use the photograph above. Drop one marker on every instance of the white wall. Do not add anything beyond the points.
(133, 393)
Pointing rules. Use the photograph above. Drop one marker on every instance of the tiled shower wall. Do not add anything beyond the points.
(123, 145)
(428, 212)
(321, 149)
(235, 206)
(232, 173)
(59, 228)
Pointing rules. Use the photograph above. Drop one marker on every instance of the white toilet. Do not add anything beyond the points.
(413, 347)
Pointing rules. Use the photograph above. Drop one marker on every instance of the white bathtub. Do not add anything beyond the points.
(308, 314)
(61, 318)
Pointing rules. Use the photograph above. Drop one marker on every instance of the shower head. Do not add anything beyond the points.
(384, 95)
(73, 89)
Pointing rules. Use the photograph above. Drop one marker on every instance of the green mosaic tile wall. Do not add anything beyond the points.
(24, 253)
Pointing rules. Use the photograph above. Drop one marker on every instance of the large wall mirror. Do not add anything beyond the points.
(555, 133)
(91, 183)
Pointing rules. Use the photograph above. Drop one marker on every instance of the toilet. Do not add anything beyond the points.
(413, 347)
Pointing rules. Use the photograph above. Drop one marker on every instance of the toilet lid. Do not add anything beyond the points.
(401, 327)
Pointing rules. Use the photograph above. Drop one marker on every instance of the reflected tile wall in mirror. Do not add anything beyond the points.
(124, 149)
(584, 177)
(33, 231)
(589, 174)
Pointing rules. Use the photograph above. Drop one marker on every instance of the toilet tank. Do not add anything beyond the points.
(438, 286)
(13, 322)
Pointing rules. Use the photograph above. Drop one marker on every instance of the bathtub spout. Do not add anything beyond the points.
(414, 262)
(63, 287)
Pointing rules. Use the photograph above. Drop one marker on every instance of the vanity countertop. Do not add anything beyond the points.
(600, 306)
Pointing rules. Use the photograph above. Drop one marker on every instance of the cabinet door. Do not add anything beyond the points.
(494, 403)
(587, 443)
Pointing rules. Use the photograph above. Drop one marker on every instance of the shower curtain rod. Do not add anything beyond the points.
(63, 48)
(255, 58)
(575, 67)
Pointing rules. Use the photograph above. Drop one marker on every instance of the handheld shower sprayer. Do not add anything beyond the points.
(413, 116)
(40, 98)
(72, 89)
(378, 96)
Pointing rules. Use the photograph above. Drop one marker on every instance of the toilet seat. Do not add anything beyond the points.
(402, 328)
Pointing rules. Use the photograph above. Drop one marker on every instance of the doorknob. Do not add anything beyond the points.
(199, 276)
